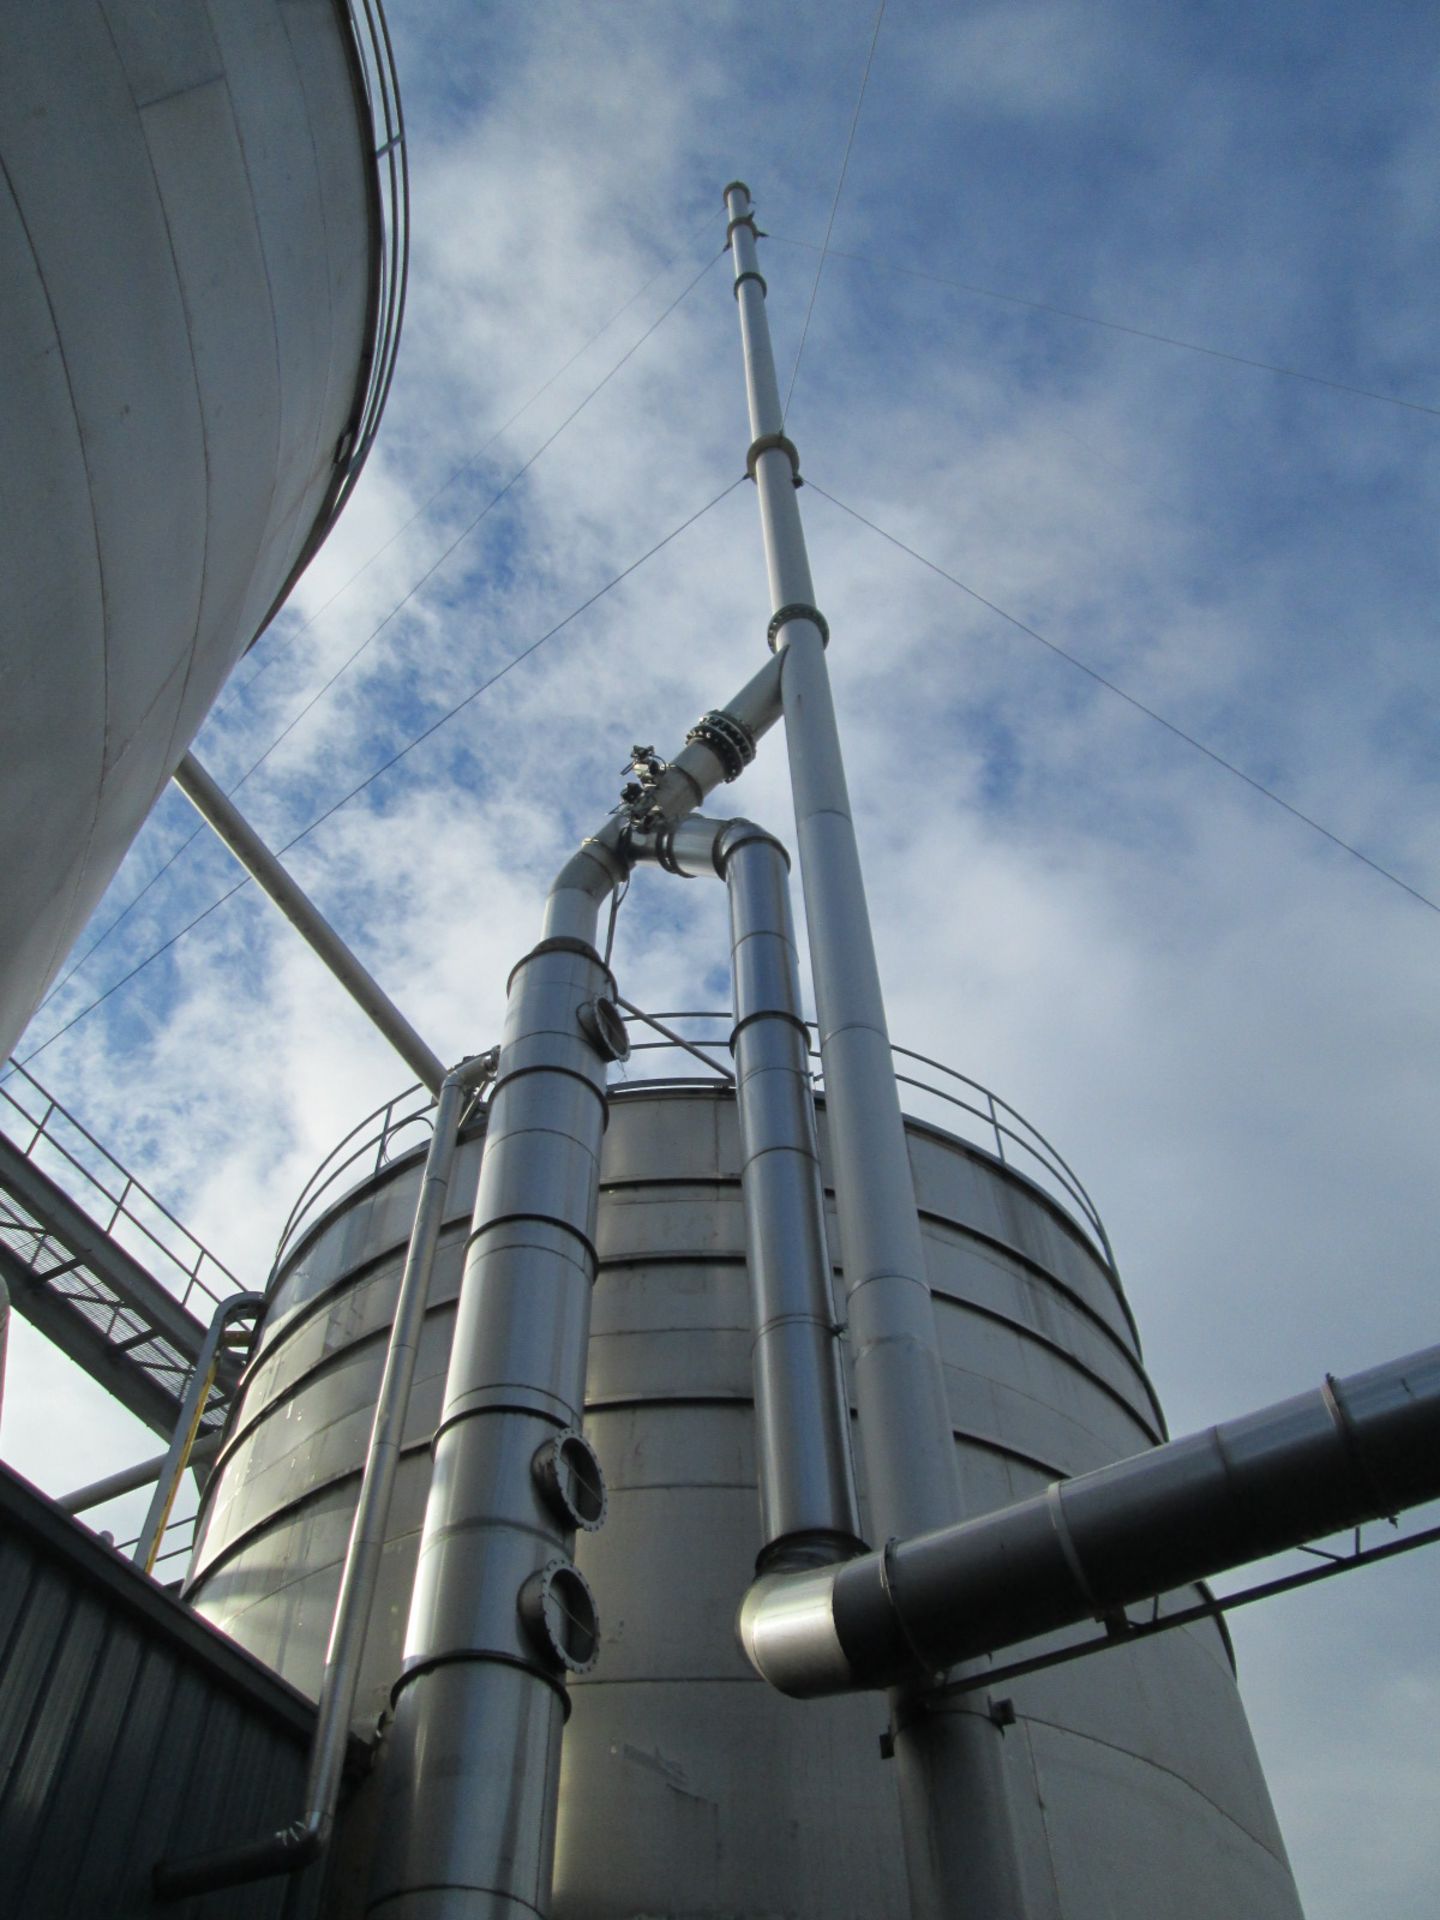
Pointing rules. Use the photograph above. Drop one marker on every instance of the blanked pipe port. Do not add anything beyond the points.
(807, 1486)
(1360, 1449)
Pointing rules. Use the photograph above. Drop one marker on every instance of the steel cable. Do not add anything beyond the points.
(425, 734)
(319, 695)
(1111, 326)
(834, 207)
(1129, 698)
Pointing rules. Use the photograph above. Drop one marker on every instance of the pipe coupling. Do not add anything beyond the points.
(729, 739)
(797, 610)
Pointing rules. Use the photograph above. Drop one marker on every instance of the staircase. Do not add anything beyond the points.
(100, 1266)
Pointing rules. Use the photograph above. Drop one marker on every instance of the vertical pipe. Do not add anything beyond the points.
(904, 1421)
(802, 1419)
(499, 1613)
(906, 1437)
(294, 1846)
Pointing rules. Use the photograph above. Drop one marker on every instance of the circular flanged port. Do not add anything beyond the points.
(567, 1471)
(604, 1027)
(558, 1609)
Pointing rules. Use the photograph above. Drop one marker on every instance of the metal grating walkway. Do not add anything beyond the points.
(98, 1265)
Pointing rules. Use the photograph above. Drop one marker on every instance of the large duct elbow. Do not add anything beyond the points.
(1356, 1450)
(584, 883)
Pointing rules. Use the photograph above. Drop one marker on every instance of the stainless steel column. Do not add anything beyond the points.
(906, 1438)
(499, 1613)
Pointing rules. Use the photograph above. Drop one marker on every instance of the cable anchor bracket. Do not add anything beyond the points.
(769, 443)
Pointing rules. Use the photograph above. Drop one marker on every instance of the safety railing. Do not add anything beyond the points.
(947, 1097)
(113, 1198)
(934, 1092)
(177, 1543)
(370, 1145)
(387, 120)
(380, 101)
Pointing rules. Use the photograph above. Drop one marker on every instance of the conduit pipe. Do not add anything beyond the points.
(1358, 1449)
(187, 1424)
(296, 1845)
(144, 1473)
(499, 1613)
(807, 1489)
(230, 825)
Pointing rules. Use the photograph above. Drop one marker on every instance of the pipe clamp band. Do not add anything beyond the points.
(562, 943)
(729, 739)
(464, 1656)
(768, 443)
(1351, 1441)
(887, 1582)
(1068, 1549)
(797, 610)
(743, 220)
(749, 274)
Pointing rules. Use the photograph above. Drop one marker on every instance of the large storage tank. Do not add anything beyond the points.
(199, 287)
(688, 1787)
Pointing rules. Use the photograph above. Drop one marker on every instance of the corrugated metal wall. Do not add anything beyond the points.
(129, 1730)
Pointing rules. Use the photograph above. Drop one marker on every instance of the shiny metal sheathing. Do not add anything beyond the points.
(1125, 1776)
(463, 1803)
(467, 1580)
(481, 1692)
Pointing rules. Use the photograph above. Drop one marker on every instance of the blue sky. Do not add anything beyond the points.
(1227, 1025)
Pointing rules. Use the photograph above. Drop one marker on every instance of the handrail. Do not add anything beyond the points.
(382, 92)
(999, 1128)
(378, 98)
(332, 1166)
(198, 1269)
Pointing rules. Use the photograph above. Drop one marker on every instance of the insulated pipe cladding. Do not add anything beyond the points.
(807, 1486)
(1358, 1449)
(499, 1613)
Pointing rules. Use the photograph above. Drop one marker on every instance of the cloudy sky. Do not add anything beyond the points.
(1225, 1022)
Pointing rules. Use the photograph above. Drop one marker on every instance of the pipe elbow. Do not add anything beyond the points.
(787, 1629)
(594, 869)
(697, 846)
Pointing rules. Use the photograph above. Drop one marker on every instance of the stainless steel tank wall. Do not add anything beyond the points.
(688, 1786)
(189, 257)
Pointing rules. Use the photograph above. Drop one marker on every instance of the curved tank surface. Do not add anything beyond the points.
(688, 1786)
(198, 290)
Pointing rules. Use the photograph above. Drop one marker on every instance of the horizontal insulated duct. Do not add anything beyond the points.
(1356, 1450)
